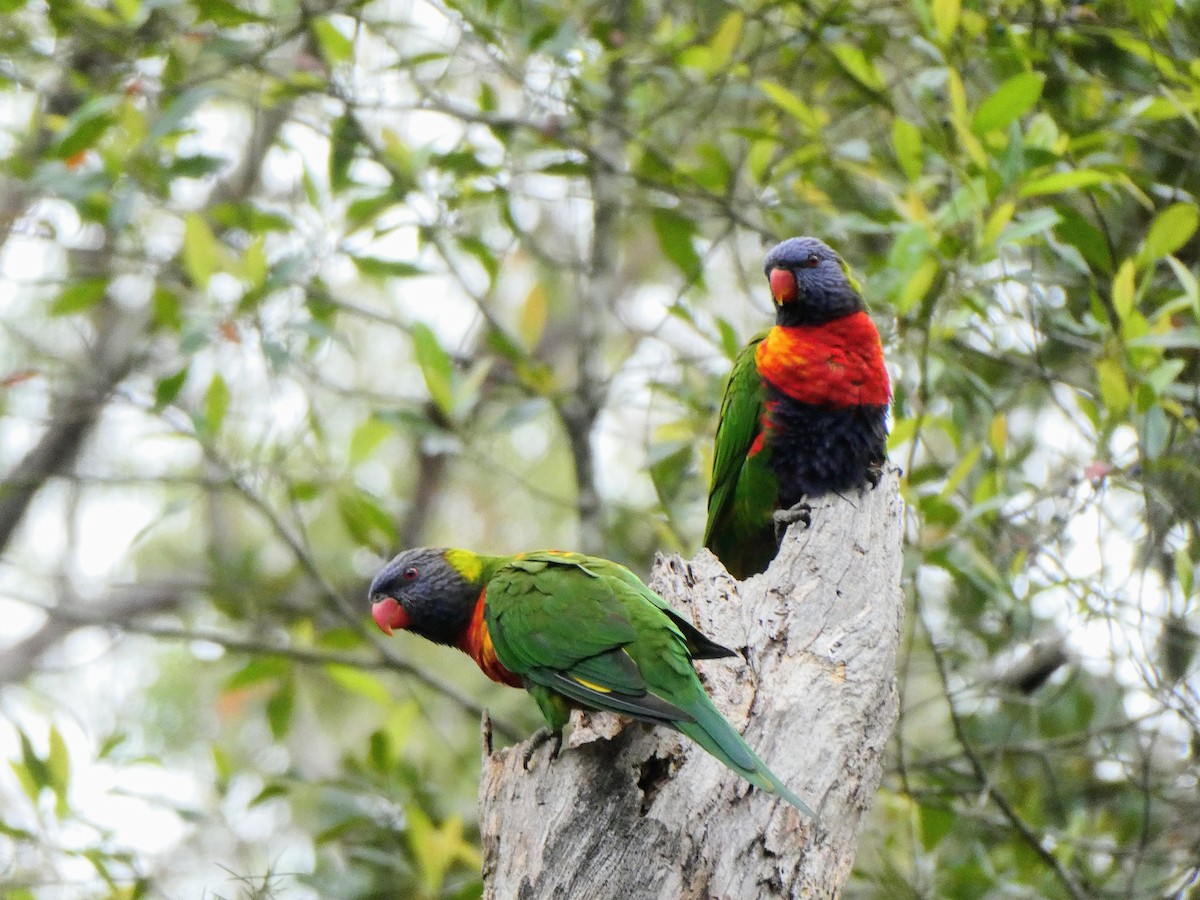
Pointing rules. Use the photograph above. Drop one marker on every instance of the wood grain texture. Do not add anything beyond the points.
(629, 811)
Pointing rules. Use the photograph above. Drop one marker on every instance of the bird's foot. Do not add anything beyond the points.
(875, 474)
(541, 736)
(782, 518)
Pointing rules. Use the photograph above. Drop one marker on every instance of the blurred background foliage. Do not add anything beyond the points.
(288, 286)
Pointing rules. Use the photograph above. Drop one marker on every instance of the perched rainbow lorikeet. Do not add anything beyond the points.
(805, 410)
(573, 630)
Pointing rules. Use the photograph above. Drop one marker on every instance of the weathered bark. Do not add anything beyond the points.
(633, 812)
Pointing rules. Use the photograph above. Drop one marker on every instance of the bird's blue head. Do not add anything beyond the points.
(810, 283)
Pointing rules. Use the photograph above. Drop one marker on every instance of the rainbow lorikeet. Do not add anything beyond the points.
(805, 409)
(573, 630)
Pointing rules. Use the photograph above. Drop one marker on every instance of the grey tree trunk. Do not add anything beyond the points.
(629, 811)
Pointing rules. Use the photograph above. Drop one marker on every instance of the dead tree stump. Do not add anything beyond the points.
(631, 812)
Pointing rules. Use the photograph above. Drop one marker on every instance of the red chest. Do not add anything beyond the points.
(476, 642)
(839, 363)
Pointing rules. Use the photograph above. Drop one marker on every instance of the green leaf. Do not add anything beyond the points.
(1013, 99)
(128, 10)
(811, 119)
(482, 253)
(270, 792)
(173, 118)
(39, 772)
(1065, 181)
(224, 14)
(373, 267)
(668, 470)
(946, 14)
(857, 66)
(279, 709)
(366, 439)
(675, 234)
(961, 470)
(58, 764)
(1164, 374)
(936, 823)
(957, 94)
(731, 344)
(368, 523)
(202, 254)
(436, 848)
(252, 268)
(1191, 290)
(533, 315)
(996, 223)
(167, 389)
(1171, 229)
(343, 145)
(1185, 570)
(80, 296)
(199, 165)
(84, 128)
(358, 682)
(1124, 289)
(27, 781)
(725, 40)
(1085, 237)
(256, 671)
(907, 145)
(216, 404)
(917, 285)
(1114, 388)
(1034, 222)
(335, 47)
(436, 366)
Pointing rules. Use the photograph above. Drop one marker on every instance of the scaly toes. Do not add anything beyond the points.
(782, 518)
(541, 736)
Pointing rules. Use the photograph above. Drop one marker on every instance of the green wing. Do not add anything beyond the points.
(744, 491)
(737, 428)
(565, 621)
(699, 645)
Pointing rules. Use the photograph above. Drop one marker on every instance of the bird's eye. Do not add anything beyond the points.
(409, 574)
(813, 261)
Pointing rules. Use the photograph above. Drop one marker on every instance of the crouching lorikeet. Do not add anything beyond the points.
(573, 630)
(805, 409)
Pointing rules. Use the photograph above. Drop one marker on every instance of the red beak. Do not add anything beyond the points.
(389, 615)
(783, 286)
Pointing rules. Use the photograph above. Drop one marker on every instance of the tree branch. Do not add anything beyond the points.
(1023, 828)
(129, 604)
(597, 295)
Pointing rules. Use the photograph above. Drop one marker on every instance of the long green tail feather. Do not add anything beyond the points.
(712, 732)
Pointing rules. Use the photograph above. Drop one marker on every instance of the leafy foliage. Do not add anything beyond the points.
(290, 286)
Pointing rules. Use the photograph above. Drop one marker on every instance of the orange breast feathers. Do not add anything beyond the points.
(839, 363)
(476, 642)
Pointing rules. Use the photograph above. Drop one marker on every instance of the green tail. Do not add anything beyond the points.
(712, 732)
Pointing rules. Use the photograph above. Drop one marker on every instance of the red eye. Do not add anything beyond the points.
(813, 261)
(409, 574)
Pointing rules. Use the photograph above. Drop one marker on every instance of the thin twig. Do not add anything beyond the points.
(1023, 828)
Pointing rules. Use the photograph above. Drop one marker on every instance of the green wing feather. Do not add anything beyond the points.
(737, 427)
(744, 491)
(560, 620)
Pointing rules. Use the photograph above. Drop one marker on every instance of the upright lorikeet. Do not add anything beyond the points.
(805, 410)
(573, 630)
